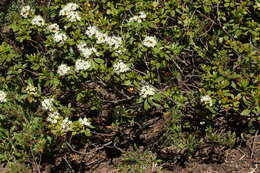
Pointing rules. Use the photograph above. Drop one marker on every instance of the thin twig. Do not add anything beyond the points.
(191, 18)
(120, 100)
(208, 29)
(253, 145)
(178, 67)
(139, 71)
(68, 164)
(254, 169)
(37, 165)
(95, 150)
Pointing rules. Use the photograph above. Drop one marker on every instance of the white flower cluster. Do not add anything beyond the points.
(119, 51)
(53, 117)
(146, 91)
(31, 90)
(120, 67)
(59, 37)
(70, 12)
(92, 31)
(206, 100)
(47, 104)
(103, 38)
(63, 69)
(38, 20)
(84, 122)
(65, 125)
(53, 28)
(2, 96)
(138, 18)
(114, 41)
(149, 41)
(26, 11)
(86, 51)
(81, 64)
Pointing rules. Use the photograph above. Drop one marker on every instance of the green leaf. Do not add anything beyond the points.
(233, 84)
(146, 105)
(99, 60)
(244, 83)
(127, 82)
(245, 112)
(157, 97)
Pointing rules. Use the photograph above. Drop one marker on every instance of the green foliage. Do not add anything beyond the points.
(181, 141)
(17, 167)
(200, 63)
(139, 161)
(24, 140)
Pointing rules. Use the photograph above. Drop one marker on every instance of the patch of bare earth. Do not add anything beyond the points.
(239, 160)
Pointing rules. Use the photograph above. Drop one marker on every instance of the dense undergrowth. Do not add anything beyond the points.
(179, 78)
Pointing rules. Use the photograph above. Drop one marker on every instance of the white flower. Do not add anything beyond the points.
(47, 104)
(26, 11)
(81, 45)
(135, 19)
(71, 6)
(65, 125)
(84, 121)
(94, 50)
(63, 69)
(59, 37)
(146, 91)
(53, 117)
(92, 31)
(206, 100)
(101, 37)
(114, 41)
(81, 64)
(138, 19)
(69, 11)
(38, 20)
(119, 52)
(120, 67)
(142, 15)
(68, 8)
(53, 27)
(149, 41)
(2, 96)
(31, 89)
(73, 16)
(86, 51)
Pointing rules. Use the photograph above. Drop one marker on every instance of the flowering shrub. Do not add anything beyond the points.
(2, 96)
(68, 62)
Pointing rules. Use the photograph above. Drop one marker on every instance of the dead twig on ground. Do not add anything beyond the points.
(92, 151)
(253, 145)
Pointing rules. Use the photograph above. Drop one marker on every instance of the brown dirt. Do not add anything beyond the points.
(240, 160)
(236, 161)
(107, 157)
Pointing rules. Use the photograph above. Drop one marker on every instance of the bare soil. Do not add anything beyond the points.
(239, 160)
